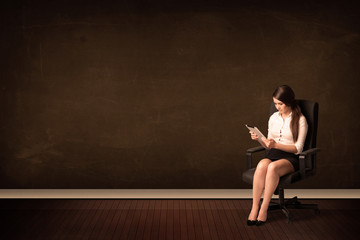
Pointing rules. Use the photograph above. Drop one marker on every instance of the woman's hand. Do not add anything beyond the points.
(253, 135)
(270, 143)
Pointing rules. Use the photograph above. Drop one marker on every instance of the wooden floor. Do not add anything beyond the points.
(171, 219)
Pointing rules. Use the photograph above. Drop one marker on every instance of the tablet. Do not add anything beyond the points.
(258, 133)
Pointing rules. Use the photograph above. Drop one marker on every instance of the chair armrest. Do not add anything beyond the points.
(249, 153)
(255, 149)
(302, 158)
(309, 151)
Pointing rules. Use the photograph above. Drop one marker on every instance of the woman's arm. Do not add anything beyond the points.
(286, 148)
(270, 143)
(303, 128)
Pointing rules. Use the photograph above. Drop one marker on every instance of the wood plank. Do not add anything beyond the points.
(239, 220)
(155, 228)
(110, 214)
(149, 220)
(120, 219)
(229, 227)
(162, 220)
(183, 222)
(239, 223)
(66, 231)
(102, 215)
(170, 220)
(93, 219)
(272, 230)
(125, 222)
(64, 223)
(142, 220)
(336, 221)
(190, 220)
(119, 209)
(203, 220)
(85, 224)
(300, 218)
(210, 204)
(177, 224)
(198, 227)
(133, 222)
(318, 224)
(210, 219)
(37, 221)
(54, 218)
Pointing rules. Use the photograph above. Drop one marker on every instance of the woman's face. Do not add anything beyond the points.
(281, 107)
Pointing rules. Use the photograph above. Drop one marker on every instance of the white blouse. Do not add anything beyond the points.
(279, 130)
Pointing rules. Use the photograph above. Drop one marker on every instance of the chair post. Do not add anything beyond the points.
(282, 204)
(248, 160)
(281, 197)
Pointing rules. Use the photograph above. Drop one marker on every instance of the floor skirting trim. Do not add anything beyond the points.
(170, 193)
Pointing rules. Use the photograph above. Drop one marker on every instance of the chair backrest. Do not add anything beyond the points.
(310, 110)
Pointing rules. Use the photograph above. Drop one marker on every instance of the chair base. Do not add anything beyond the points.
(291, 204)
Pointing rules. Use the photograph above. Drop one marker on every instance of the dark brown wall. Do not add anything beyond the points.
(140, 95)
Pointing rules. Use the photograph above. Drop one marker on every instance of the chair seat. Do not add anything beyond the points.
(248, 177)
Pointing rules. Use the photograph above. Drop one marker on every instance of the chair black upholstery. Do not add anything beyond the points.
(307, 161)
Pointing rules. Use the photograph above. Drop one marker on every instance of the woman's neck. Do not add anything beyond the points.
(284, 115)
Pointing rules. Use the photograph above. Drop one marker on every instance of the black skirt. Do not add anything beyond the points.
(275, 154)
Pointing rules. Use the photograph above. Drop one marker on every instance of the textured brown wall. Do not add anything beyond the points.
(156, 95)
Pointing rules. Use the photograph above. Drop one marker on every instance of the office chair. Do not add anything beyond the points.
(307, 162)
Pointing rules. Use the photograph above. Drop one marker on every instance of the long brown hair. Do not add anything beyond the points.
(285, 94)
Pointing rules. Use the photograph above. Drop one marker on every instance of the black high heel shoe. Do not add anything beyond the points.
(250, 222)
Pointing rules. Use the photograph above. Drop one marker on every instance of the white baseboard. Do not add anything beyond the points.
(170, 193)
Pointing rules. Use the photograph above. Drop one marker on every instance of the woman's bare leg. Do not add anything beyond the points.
(258, 186)
(275, 170)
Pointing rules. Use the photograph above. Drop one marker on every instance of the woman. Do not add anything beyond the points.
(286, 136)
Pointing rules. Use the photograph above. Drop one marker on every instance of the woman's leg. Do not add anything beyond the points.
(258, 186)
(275, 170)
